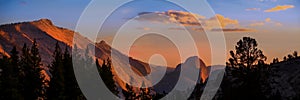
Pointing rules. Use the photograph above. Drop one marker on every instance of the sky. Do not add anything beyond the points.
(273, 23)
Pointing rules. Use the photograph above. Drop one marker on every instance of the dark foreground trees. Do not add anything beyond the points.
(63, 84)
(246, 54)
(247, 76)
(10, 77)
(251, 80)
(21, 77)
(107, 76)
(245, 72)
(33, 79)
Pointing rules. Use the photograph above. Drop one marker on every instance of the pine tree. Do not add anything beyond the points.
(247, 54)
(79, 65)
(24, 70)
(56, 89)
(275, 60)
(72, 89)
(284, 58)
(295, 54)
(290, 57)
(33, 80)
(63, 84)
(3, 76)
(38, 77)
(144, 93)
(129, 93)
(247, 67)
(15, 59)
(10, 77)
(15, 67)
(107, 76)
(1, 69)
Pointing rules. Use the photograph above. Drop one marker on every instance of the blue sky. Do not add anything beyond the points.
(235, 9)
(65, 13)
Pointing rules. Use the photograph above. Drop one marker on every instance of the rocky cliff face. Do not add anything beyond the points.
(193, 71)
(47, 34)
(43, 30)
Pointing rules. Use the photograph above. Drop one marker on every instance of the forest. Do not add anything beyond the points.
(247, 76)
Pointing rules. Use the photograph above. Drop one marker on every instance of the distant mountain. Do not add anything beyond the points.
(190, 77)
(47, 34)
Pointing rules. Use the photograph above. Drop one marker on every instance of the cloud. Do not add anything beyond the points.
(267, 0)
(225, 22)
(235, 30)
(280, 8)
(144, 28)
(257, 24)
(252, 9)
(176, 28)
(171, 16)
(188, 28)
(278, 24)
(153, 17)
(198, 29)
(183, 18)
(268, 19)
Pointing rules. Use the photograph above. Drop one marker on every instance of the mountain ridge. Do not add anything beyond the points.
(47, 34)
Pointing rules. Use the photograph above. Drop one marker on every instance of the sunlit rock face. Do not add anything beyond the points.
(47, 34)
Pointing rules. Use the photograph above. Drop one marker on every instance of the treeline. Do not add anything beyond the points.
(22, 76)
(287, 58)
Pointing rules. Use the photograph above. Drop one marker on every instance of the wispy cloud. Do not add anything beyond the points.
(267, 21)
(252, 9)
(267, 0)
(278, 24)
(235, 30)
(176, 28)
(257, 24)
(198, 29)
(280, 8)
(224, 21)
(144, 28)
